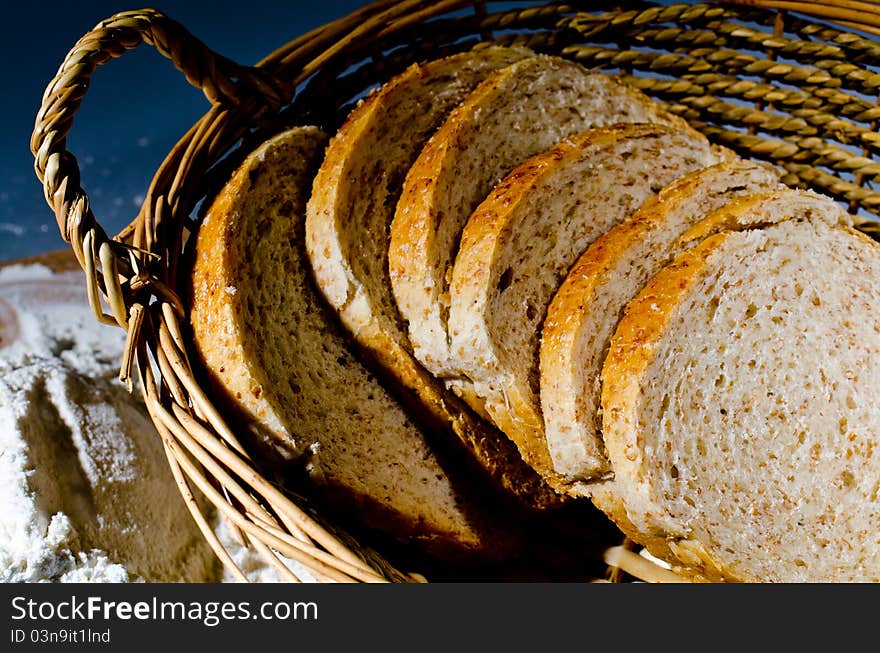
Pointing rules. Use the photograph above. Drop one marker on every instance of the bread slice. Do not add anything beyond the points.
(514, 114)
(276, 355)
(744, 212)
(348, 217)
(740, 409)
(521, 241)
(587, 306)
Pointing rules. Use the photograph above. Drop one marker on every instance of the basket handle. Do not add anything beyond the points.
(222, 81)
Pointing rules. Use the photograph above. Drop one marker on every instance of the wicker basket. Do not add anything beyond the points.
(789, 82)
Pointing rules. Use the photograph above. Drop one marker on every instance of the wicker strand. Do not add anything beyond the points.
(783, 153)
(833, 185)
(792, 147)
(284, 572)
(147, 387)
(196, 394)
(729, 62)
(639, 567)
(715, 33)
(205, 70)
(849, 11)
(857, 47)
(203, 525)
(132, 334)
(315, 558)
(799, 122)
(180, 425)
(591, 24)
(828, 43)
(94, 291)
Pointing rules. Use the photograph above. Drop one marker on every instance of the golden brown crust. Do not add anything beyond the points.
(727, 217)
(631, 351)
(518, 420)
(647, 322)
(332, 256)
(413, 246)
(562, 325)
(585, 275)
(761, 209)
(594, 264)
(630, 355)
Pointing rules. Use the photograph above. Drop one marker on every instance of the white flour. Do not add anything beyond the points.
(85, 490)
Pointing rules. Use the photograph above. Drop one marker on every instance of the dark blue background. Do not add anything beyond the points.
(137, 106)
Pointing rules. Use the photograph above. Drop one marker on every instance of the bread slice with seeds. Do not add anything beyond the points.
(280, 362)
(586, 308)
(739, 407)
(521, 241)
(348, 218)
(516, 113)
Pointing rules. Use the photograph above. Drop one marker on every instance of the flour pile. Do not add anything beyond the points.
(85, 490)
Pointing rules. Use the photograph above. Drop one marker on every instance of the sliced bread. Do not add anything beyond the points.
(514, 114)
(347, 222)
(275, 354)
(587, 306)
(741, 416)
(521, 241)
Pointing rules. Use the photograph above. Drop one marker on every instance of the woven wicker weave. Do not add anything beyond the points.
(794, 83)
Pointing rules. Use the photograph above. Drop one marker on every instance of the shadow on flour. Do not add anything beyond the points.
(56, 487)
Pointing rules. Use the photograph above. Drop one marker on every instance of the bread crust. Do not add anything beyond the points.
(215, 314)
(471, 286)
(648, 314)
(347, 258)
(766, 208)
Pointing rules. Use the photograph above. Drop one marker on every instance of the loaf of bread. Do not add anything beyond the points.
(739, 411)
(348, 217)
(275, 353)
(588, 304)
(521, 241)
(516, 113)
(508, 282)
